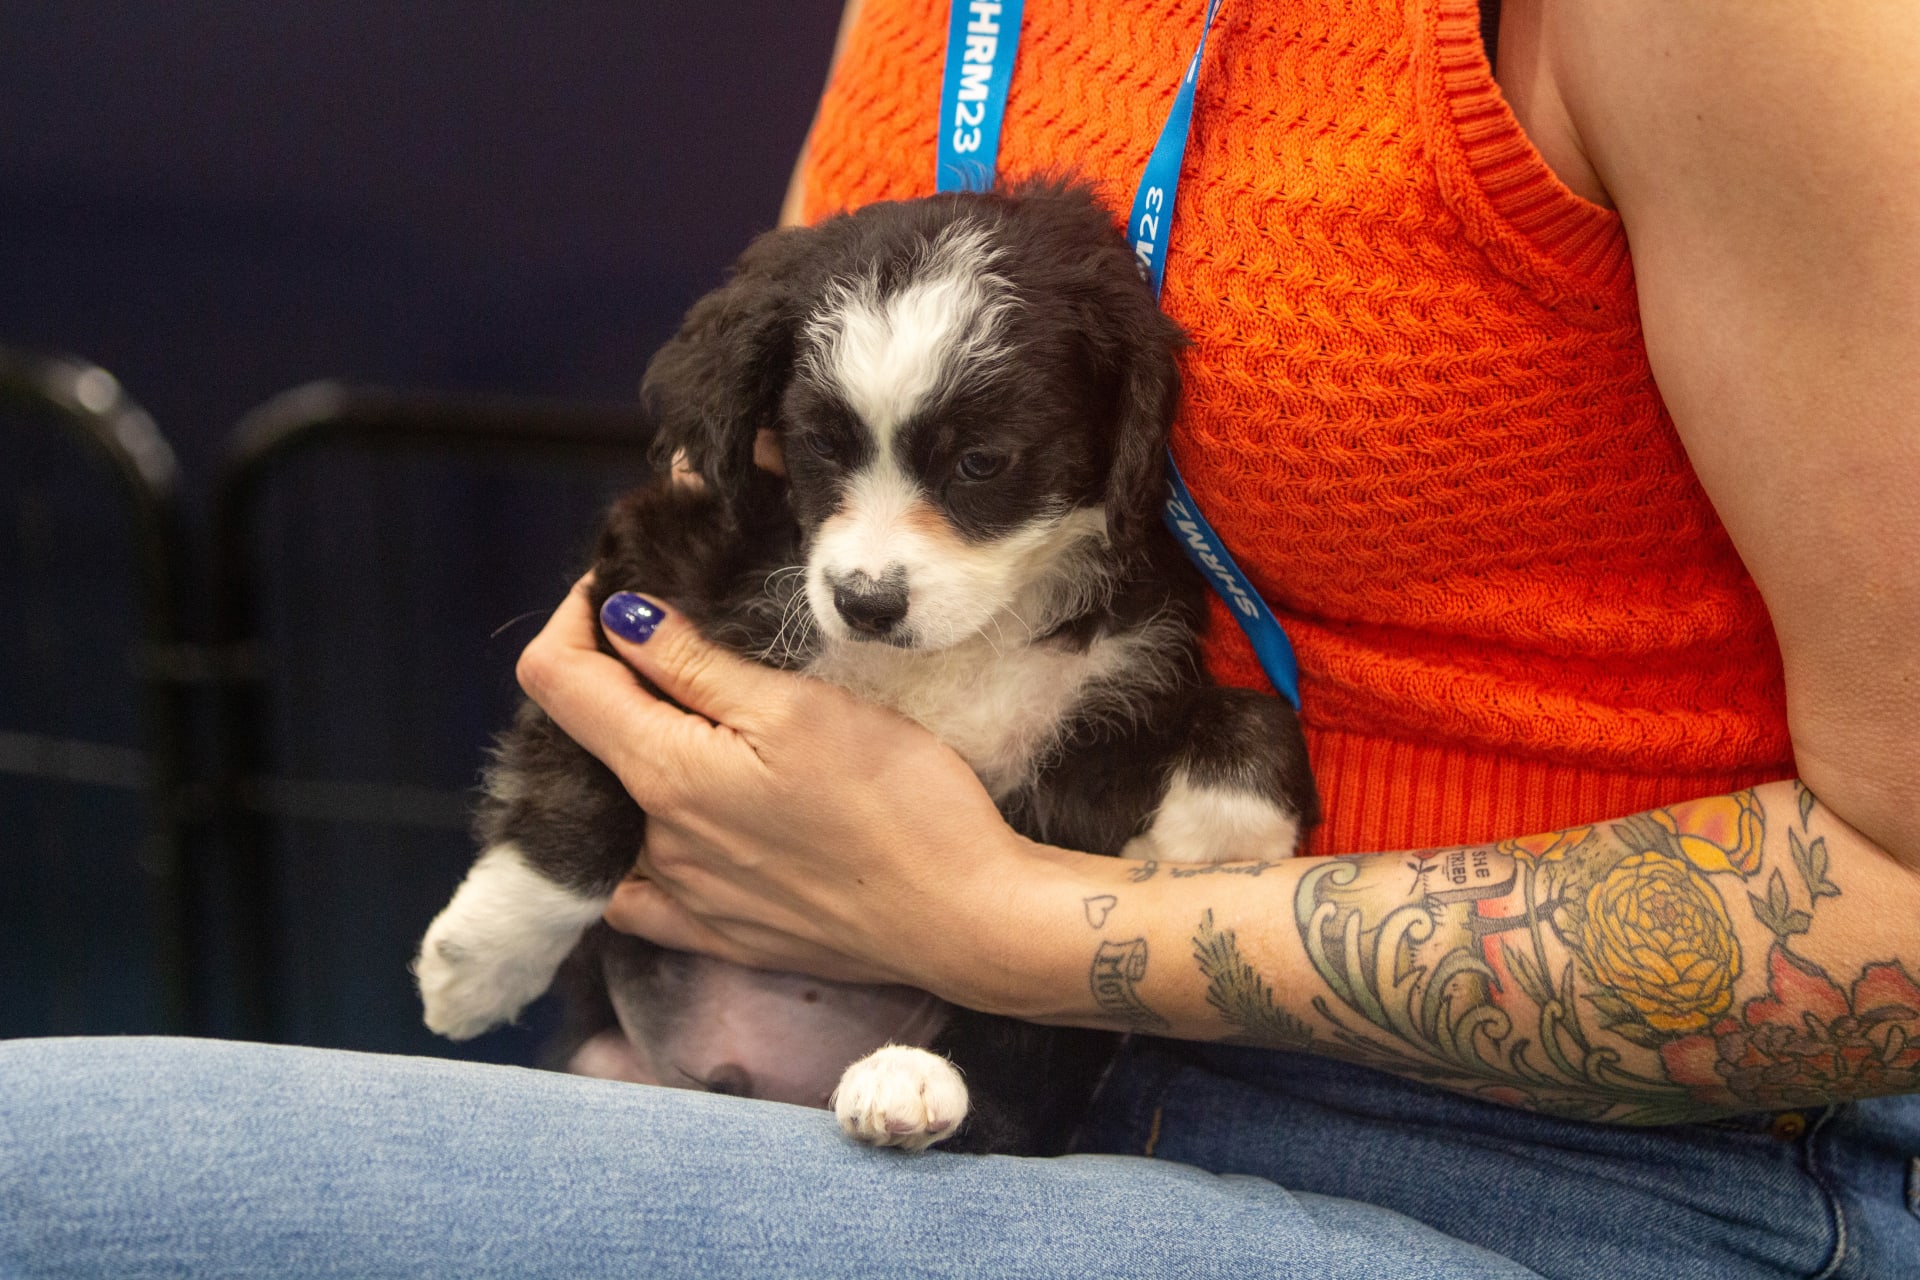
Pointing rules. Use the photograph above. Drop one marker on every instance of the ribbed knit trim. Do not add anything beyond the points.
(1499, 182)
(1381, 794)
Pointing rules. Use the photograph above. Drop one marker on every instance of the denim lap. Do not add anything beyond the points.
(131, 1158)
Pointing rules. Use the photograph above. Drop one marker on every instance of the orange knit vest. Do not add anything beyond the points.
(1417, 406)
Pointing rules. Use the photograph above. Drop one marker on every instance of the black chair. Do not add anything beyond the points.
(379, 558)
(97, 912)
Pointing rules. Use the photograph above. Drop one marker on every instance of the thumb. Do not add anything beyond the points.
(663, 646)
(644, 909)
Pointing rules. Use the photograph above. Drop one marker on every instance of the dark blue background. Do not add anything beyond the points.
(219, 201)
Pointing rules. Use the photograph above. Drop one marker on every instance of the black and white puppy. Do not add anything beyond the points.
(972, 393)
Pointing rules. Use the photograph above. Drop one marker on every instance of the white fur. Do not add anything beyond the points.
(1197, 823)
(900, 1097)
(955, 588)
(497, 945)
(883, 523)
(891, 354)
(963, 661)
(1001, 707)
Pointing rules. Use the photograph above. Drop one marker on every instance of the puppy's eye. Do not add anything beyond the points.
(978, 464)
(822, 446)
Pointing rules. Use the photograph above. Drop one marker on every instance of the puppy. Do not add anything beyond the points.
(972, 393)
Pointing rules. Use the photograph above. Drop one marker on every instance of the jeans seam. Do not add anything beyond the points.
(1837, 1211)
(1149, 1112)
(1140, 1121)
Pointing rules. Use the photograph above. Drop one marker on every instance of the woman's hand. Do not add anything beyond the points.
(790, 826)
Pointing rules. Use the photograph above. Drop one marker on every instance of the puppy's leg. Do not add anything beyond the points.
(900, 1097)
(1237, 790)
(557, 833)
(496, 946)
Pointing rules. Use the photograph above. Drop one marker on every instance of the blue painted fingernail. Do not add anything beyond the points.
(631, 617)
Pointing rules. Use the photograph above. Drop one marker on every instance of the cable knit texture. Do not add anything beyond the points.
(1417, 407)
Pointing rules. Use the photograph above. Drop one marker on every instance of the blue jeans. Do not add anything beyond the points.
(130, 1158)
(1830, 1193)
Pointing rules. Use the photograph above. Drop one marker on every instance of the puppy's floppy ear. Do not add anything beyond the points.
(718, 381)
(1132, 344)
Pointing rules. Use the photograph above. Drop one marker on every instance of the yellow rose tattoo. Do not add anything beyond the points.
(1657, 938)
(1592, 972)
(1520, 983)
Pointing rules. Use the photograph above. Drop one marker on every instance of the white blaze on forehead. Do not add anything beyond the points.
(889, 355)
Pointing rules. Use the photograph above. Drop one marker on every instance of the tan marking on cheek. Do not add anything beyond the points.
(931, 523)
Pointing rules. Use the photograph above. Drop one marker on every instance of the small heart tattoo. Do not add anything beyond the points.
(1097, 908)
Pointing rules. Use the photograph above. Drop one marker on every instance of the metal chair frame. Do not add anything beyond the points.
(95, 412)
(210, 831)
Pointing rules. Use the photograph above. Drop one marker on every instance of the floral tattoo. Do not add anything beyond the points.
(1531, 971)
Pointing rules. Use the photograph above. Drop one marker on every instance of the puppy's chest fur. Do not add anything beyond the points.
(1005, 710)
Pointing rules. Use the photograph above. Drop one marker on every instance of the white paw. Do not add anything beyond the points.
(497, 945)
(469, 984)
(900, 1097)
(1205, 824)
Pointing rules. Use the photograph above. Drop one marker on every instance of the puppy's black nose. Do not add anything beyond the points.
(873, 608)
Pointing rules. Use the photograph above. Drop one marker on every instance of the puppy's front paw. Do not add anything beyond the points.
(900, 1097)
(497, 945)
(470, 984)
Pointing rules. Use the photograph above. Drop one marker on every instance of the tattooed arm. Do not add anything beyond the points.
(1735, 953)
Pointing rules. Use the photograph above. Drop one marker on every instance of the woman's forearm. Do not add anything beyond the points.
(1736, 953)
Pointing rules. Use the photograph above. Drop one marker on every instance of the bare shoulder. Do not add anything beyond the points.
(1760, 153)
(1724, 104)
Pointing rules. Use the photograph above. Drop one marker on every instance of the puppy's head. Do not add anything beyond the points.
(972, 393)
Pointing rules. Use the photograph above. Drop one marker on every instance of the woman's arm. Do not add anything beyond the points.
(1742, 951)
(790, 207)
(1734, 953)
(1758, 153)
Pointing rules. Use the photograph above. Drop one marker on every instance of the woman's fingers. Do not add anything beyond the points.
(644, 909)
(654, 747)
(774, 819)
(665, 648)
(767, 454)
(660, 752)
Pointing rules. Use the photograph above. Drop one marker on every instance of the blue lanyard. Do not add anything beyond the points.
(983, 37)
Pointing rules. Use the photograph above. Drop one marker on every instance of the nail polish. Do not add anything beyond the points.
(631, 617)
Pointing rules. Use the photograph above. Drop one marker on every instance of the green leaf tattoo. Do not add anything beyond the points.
(1240, 995)
(1596, 972)
(1774, 912)
(1811, 861)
